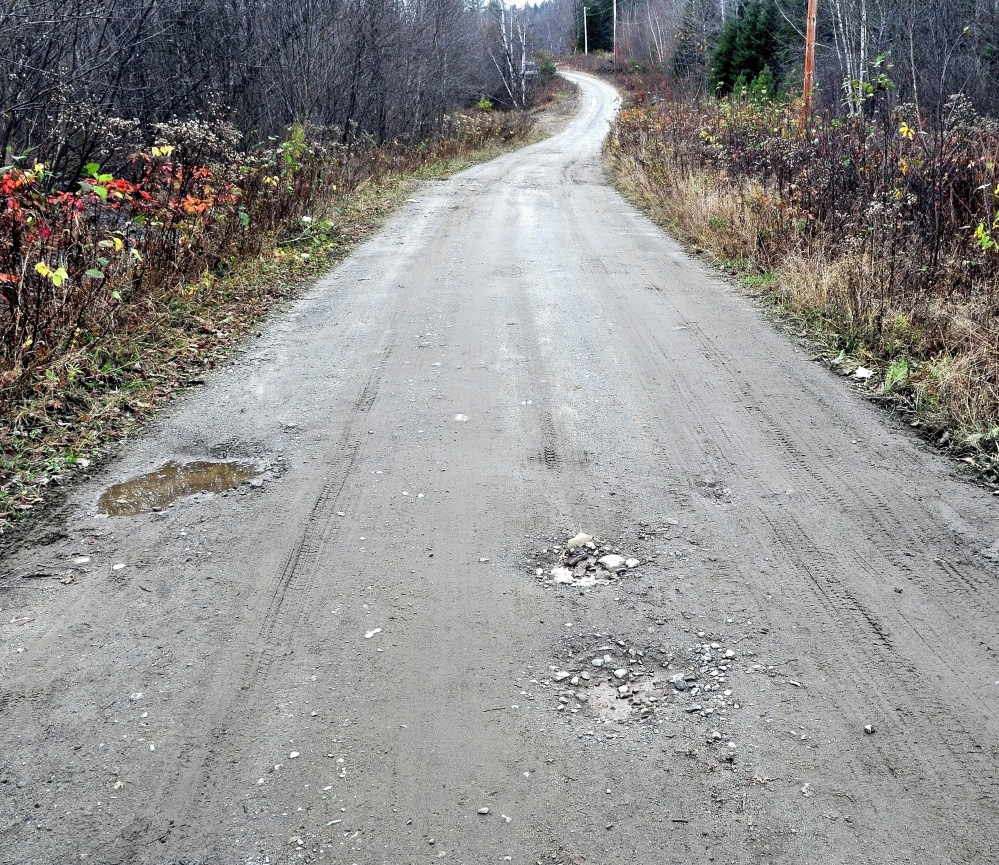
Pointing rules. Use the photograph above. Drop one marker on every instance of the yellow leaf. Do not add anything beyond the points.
(117, 244)
(165, 150)
(27, 343)
(42, 269)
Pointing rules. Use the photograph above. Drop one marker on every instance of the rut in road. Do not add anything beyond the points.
(349, 663)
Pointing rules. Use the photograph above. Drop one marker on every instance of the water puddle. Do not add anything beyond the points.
(158, 489)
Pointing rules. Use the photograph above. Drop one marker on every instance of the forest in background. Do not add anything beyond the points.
(935, 50)
(89, 80)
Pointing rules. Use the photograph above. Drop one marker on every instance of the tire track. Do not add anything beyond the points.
(926, 717)
(198, 764)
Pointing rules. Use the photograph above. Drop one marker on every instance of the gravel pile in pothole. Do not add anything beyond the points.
(583, 561)
(614, 682)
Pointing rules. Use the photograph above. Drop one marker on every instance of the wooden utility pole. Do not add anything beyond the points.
(586, 35)
(806, 110)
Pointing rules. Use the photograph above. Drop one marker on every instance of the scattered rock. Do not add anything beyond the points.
(579, 567)
(869, 729)
(580, 540)
(483, 811)
(612, 563)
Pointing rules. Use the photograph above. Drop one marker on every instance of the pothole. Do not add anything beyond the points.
(583, 562)
(714, 490)
(612, 681)
(157, 489)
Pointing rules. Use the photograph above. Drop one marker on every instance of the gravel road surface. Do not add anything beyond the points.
(351, 654)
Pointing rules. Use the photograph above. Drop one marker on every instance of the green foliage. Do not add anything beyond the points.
(755, 43)
(485, 104)
(723, 75)
(764, 86)
(746, 53)
(294, 149)
(897, 375)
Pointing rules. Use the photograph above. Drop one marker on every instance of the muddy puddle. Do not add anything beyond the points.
(173, 481)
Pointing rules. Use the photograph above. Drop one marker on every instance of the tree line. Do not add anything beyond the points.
(924, 50)
(82, 80)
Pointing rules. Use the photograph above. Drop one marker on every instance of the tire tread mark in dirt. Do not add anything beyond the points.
(854, 626)
(296, 577)
(964, 591)
(299, 568)
(299, 565)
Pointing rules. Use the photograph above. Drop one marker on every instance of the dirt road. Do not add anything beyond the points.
(349, 656)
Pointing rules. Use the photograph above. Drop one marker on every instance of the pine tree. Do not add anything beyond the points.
(764, 86)
(746, 47)
(754, 44)
(722, 68)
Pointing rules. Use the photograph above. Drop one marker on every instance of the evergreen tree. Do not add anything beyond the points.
(723, 73)
(746, 47)
(754, 43)
(764, 86)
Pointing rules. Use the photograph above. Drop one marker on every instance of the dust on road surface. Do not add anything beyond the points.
(352, 655)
